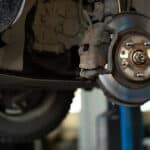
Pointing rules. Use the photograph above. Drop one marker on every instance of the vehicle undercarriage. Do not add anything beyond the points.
(49, 48)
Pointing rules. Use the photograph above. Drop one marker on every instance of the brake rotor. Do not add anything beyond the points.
(129, 56)
(10, 10)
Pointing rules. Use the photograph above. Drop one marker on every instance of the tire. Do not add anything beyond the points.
(39, 121)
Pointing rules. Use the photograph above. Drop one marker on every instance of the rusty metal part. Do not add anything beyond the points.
(93, 50)
(132, 57)
(89, 74)
(139, 57)
(94, 47)
(128, 59)
(122, 23)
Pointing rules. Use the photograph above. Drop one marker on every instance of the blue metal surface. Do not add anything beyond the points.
(126, 125)
(141, 129)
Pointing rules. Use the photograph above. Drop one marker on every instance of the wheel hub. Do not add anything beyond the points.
(128, 60)
(133, 57)
(139, 57)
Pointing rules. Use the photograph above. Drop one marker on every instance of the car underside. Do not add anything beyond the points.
(49, 48)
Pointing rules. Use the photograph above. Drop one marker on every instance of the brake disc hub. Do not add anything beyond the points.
(128, 60)
(132, 57)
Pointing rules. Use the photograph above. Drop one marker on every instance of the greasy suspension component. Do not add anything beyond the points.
(94, 46)
(93, 51)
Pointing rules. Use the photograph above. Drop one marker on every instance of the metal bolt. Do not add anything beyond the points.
(124, 63)
(139, 57)
(129, 44)
(140, 75)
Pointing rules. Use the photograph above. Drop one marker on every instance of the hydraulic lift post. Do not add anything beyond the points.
(131, 128)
